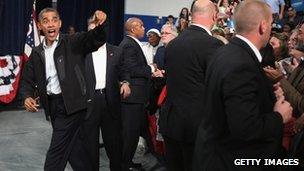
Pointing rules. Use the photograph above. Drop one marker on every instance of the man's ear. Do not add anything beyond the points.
(39, 25)
(60, 23)
(262, 27)
(215, 17)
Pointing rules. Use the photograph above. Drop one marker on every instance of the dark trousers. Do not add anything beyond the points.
(134, 124)
(178, 155)
(101, 118)
(67, 143)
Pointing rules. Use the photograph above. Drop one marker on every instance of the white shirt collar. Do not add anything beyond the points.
(203, 27)
(103, 47)
(255, 50)
(137, 41)
(44, 42)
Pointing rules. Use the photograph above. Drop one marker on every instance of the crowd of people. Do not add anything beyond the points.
(223, 82)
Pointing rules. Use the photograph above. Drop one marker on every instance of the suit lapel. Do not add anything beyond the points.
(245, 46)
(40, 50)
(110, 58)
(139, 47)
(91, 70)
(251, 53)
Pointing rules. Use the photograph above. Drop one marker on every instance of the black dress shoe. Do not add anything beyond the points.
(136, 169)
(135, 165)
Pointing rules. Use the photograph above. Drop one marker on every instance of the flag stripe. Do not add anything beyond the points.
(10, 74)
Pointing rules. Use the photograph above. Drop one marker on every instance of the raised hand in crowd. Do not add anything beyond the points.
(31, 104)
(99, 17)
(278, 91)
(284, 108)
(125, 90)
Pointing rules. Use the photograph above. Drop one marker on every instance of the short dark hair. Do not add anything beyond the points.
(170, 16)
(45, 10)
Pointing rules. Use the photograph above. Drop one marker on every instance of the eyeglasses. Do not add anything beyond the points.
(165, 33)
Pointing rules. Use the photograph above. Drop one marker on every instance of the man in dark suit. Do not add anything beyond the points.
(186, 58)
(56, 67)
(168, 33)
(105, 81)
(242, 117)
(139, 74)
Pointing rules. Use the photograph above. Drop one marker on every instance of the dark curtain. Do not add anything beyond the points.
(76, 13)
(14, 23)
(41, 4)
(115, 10)
(1, 8)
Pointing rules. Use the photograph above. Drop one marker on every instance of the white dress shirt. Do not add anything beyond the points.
(100, 66)
(255, 50)
(150, 51)
(141, 46)
(52, 82)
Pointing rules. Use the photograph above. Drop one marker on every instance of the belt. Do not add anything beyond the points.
(101, 91)
(54, 96)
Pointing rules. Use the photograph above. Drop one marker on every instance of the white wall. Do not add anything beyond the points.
(156, 7)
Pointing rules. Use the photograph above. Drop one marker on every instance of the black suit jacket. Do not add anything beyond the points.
(69, 57)
(159, 57)
(186, 59)
(114, 74)
(238, 120)
(139, 72)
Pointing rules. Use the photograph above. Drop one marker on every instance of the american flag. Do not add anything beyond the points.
(11, 65)
(32, 38)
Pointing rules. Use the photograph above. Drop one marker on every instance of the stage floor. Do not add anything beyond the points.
(25, 137)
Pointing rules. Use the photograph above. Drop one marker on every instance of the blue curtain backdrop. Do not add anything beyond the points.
(14, 21)
(76, 12)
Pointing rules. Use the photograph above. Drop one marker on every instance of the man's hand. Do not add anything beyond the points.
(125, 90)
(99, 17)
(281, 16)
(158, 73)
(30, 104)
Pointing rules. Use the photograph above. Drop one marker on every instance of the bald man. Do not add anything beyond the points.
(243, 117)
(139, 74)
(186, 58)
